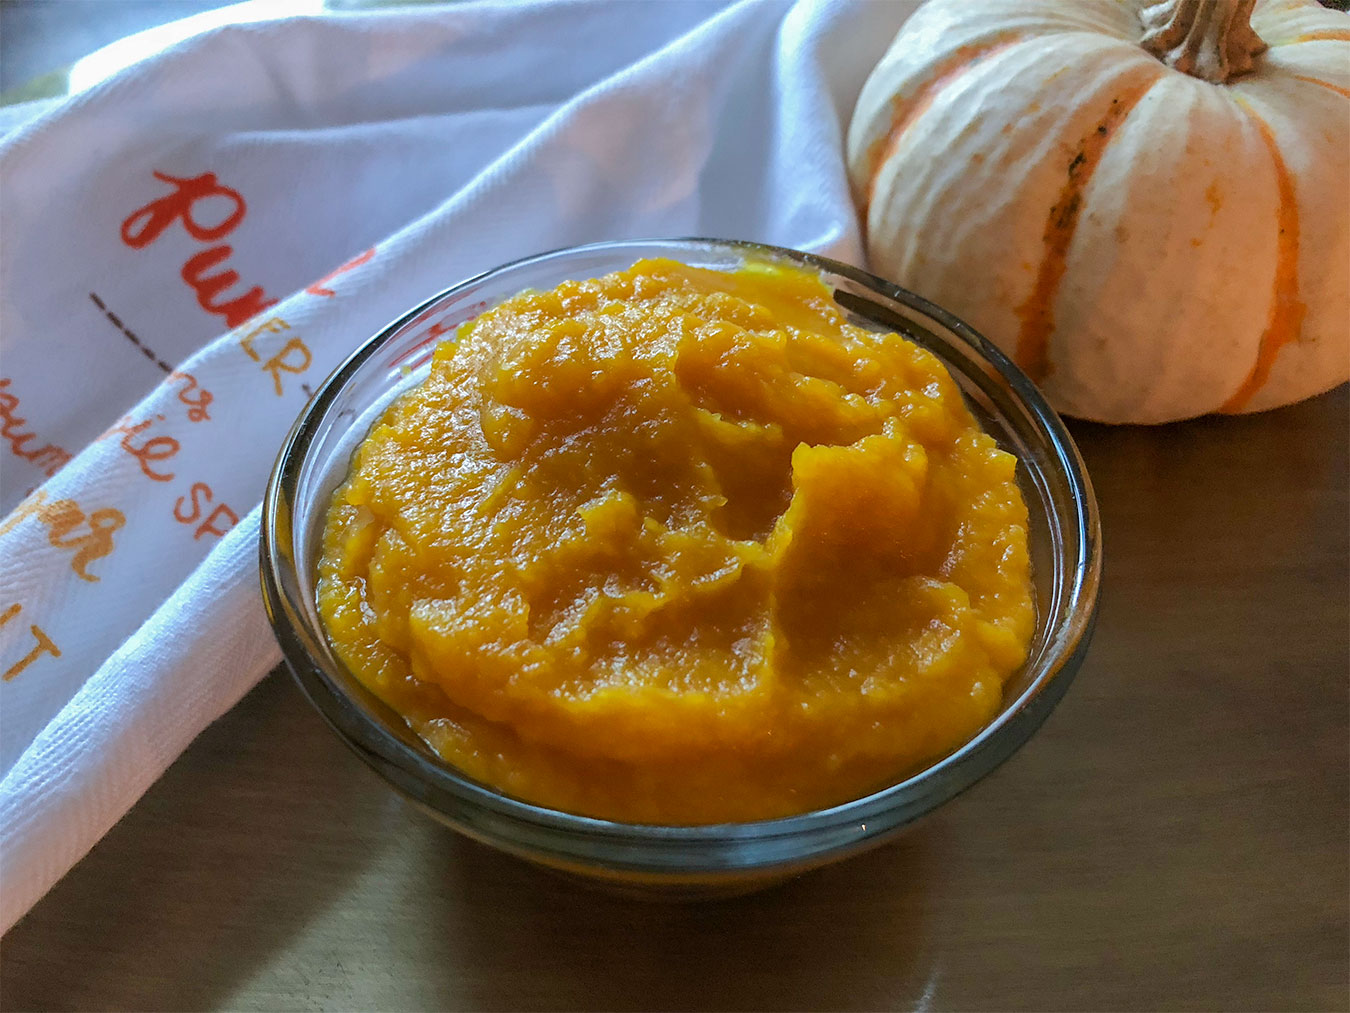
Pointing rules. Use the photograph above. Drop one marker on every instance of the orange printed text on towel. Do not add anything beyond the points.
(86, 536)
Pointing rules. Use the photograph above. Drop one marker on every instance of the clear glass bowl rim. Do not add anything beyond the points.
(572, 840)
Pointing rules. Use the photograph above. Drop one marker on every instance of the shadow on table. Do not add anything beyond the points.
(181, 903)
(848, 937)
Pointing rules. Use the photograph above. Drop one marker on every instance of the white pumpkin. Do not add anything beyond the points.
(1147, 244)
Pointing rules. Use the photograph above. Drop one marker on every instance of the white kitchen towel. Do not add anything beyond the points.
(189, 248)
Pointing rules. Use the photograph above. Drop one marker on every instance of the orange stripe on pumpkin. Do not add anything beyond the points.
(1037, 314)
(1325, 84)
(1326, 35)
(1285, 322)
(960, 61)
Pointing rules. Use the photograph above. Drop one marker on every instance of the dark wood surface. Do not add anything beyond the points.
(1175, 836)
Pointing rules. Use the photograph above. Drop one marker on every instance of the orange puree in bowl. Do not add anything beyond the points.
(681, 546)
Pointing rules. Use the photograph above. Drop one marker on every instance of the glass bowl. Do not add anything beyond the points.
(688, 861)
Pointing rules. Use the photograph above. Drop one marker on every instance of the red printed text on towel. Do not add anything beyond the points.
(197, 203)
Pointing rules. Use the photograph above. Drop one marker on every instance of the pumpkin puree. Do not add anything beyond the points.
(681, 546)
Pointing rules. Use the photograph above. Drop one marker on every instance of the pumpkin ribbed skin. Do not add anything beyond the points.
(1148, 246)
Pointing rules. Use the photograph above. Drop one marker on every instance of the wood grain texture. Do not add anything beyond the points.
(1175, 836)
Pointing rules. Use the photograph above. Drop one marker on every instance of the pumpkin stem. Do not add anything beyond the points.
(1209, 39)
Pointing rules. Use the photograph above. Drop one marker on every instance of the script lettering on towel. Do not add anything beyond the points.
(48, 457)
(209, 287)
(148, 451)
(68, 527)
(197, 398)
(190, 200)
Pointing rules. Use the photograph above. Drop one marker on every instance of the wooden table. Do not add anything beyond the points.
(1174, 836)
